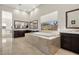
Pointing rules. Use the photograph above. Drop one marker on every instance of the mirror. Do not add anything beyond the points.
(72, 19)
(34, 24)
(20, 24)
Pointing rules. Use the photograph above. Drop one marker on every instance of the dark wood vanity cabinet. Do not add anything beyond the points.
(70, 41)
(19, 34)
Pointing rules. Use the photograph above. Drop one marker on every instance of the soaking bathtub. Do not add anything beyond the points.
(47, 35)
(47, 42)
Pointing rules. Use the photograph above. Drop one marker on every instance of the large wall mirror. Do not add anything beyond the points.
(26, 24)
(33, 24)
(20, 24)
(72, 19)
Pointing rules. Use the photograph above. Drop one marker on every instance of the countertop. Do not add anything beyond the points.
(70, 31)
(25, 29)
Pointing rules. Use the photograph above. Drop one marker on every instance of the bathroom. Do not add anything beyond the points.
(37, 30)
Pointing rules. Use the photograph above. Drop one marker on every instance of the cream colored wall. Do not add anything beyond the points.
(20, 15)
(48, 8)
(17, 15)
(49, 16)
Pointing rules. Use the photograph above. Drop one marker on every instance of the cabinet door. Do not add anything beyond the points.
(75, 44)
(66, 42)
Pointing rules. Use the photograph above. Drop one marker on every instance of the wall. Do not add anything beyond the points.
(17, 15)
(49, 16)
(20, 15)
(48, 8)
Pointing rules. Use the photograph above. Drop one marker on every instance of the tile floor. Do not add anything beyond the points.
(64, 52)
(22, 47)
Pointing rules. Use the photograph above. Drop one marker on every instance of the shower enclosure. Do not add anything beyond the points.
(7, 36)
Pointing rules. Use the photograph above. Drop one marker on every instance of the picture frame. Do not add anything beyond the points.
(72, 19)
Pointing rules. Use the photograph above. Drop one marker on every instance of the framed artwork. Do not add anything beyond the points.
(49, 25)
(72, 19)
(49, 22)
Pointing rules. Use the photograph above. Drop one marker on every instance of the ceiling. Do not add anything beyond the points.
(24, 7)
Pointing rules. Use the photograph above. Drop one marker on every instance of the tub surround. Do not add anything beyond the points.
(48, 43)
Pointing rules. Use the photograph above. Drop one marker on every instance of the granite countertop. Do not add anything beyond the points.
(24, 29)
(70, 31)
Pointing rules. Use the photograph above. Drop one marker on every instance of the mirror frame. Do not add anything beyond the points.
(67, 19)
(20, 21)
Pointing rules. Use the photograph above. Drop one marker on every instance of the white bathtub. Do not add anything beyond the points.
(47, 35)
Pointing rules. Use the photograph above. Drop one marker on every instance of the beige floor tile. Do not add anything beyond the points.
(20, 46)
(64, 52)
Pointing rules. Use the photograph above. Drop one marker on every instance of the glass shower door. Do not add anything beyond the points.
(7, 32)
